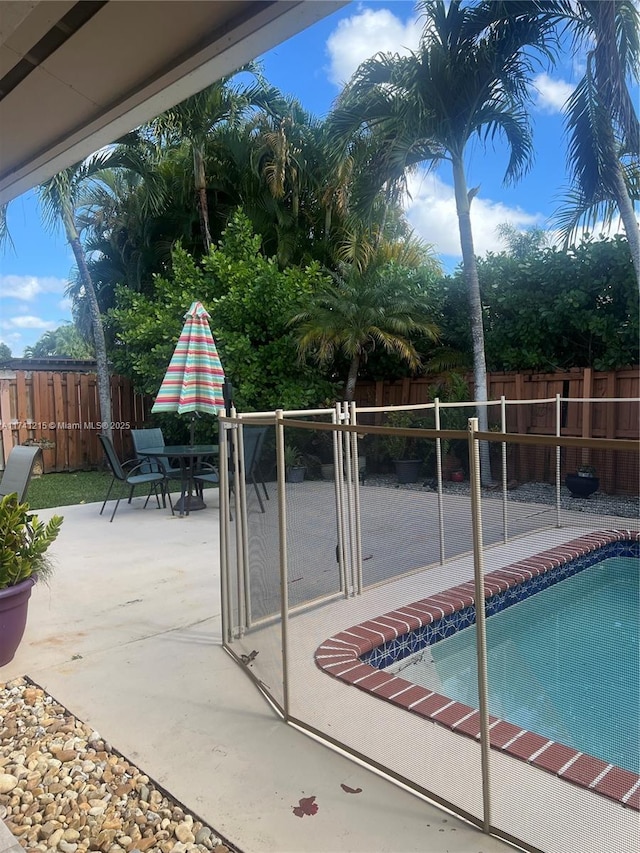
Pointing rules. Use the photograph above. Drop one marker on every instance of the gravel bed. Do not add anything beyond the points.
(623, 506)
(64, 789)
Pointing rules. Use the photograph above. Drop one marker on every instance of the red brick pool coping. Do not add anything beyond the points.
(339, 656)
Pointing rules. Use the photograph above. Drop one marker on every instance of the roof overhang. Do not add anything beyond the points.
(74, 76)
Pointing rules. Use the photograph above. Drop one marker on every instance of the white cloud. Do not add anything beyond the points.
(596, 231)
(363, 35)
(28, 321)
(432, 213)
(28, 287)
(552, 94)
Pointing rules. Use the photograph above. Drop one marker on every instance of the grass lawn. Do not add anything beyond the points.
(66, 489)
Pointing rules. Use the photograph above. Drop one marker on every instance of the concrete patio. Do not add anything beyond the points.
(128, 637)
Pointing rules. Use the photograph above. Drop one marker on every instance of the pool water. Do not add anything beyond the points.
(564, 663)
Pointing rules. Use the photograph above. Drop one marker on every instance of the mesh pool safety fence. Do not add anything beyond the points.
(350, 597)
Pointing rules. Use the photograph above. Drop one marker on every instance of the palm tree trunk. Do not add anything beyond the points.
(102, 366)
(352, 378)
(200, 180)
(627, 214)
(295, 196)
(327, 223)
(463, 209)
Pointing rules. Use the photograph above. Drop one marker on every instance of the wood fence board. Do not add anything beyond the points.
(42, 434)
(59, 436)
(22, 408)
(84, 393)
(73, 423)
(5, 416)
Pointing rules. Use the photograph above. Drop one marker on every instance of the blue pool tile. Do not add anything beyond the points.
(400, 647)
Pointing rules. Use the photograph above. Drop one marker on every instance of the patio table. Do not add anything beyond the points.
(189, 457)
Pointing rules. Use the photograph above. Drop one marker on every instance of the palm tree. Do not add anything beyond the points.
(359, 309)
(66, 340)
(192, 121)
(601, 119)
(467, 79)
(59, 198)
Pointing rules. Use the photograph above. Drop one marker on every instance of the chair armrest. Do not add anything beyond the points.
(140, 463)
(205, 468)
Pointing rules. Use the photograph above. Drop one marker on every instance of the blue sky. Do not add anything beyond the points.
(312, 66)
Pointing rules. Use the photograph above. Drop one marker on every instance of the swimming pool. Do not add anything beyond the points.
(360, 654)
(549, 663)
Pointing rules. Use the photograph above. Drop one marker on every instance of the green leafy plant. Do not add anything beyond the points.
(24, 540)
(586, 471)
(405, 446)
(292, 457)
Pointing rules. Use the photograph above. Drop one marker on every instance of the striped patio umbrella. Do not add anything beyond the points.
(194, 379)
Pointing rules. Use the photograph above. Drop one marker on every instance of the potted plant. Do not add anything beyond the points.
(583, 483)
(321, 454)
(294, 464)
(24, 541)
(403, 449)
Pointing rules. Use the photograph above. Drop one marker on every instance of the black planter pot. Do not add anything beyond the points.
(295, 474)
(408, 470)
(581, 487)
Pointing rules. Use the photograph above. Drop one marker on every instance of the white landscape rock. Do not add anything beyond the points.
(63, 788)
(7, 782)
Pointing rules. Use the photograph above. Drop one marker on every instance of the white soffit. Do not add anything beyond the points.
(74, 76)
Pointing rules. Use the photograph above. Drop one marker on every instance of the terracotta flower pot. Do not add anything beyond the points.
(14, 602)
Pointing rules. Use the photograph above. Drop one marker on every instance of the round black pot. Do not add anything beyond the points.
(295, 474)
(581, 487)
(408, 470)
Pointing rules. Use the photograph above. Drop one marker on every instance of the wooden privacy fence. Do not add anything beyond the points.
(577, 383)
(593, 405)
(60, 412)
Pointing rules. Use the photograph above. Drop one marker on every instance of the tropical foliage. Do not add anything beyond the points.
(66, 341)
(552, 309)
(250, 301)
(379, 305)
(24, 540)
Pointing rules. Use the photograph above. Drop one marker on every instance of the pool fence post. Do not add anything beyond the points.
(243, 523)
(348, 492)
(436, 414)
(558, 433)
(356, 501)
(223, 471)
(284, 582)
(235, 453)
(481, 635)
(338, 483)
(503, 456)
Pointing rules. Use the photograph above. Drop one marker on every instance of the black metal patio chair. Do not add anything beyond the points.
(133, 477)
(253, 441)
(142, 440)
